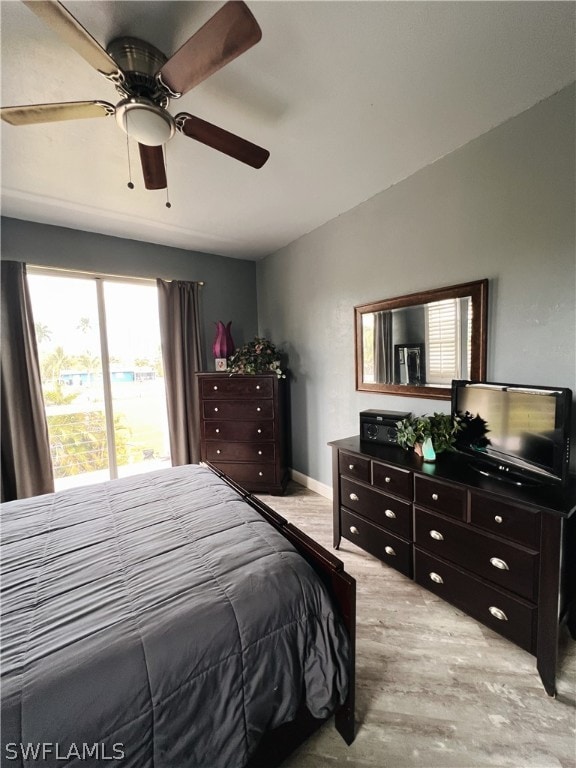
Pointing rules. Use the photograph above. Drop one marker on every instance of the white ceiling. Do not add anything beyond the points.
(349, 97)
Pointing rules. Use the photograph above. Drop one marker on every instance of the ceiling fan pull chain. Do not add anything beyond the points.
(168, 203)
(130, 184)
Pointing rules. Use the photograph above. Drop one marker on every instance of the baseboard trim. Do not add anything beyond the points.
(313, 485)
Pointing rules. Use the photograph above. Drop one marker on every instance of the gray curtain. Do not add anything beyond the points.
(383, 364)
(25, 446)
(181, 355)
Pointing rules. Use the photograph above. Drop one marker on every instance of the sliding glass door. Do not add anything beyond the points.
(99, 348)
(136, 377)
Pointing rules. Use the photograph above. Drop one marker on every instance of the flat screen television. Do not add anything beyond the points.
(514, 432)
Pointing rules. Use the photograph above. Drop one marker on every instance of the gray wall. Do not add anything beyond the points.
(501, 207)
(229, 292)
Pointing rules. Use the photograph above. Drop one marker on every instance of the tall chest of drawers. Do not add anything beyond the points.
(242, 428)
(502, 554)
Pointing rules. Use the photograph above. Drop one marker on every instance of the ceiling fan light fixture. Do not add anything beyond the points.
(145, 122)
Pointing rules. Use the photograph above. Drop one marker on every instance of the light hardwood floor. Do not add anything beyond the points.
(435, 689)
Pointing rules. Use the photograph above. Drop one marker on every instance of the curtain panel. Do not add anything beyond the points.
(178, 303)
(25, 445)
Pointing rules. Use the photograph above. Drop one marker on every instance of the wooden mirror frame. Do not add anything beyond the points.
(477, 291)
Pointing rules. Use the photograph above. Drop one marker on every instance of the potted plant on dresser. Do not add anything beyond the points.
(428, 435)
(257, 356)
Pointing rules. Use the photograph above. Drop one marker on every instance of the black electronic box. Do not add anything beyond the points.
(380, 426)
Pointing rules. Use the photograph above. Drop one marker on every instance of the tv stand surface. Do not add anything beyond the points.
(501, 552)
(486, 470)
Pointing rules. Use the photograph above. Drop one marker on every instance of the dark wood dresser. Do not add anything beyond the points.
(242, 428)
(501, 553)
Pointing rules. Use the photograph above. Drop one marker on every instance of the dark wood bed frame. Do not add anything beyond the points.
(277, 744)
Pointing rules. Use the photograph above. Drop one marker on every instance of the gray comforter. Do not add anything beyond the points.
(157, 621)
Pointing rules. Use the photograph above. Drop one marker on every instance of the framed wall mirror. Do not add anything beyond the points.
(415, 345)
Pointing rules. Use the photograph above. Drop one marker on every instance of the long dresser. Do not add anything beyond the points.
(504, 554)
(242, 428)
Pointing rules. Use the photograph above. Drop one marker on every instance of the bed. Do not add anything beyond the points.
(168, 620)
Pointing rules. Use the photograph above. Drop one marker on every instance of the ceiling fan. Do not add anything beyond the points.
(147, 80)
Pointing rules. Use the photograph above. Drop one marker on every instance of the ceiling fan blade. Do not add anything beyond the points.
(222, 140)
(61, 21)
(50, 113)
(231, 31)
(153, 168)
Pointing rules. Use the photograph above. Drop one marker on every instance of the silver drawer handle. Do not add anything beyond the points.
(434, 497)
(497, 613)
(353, 497)
(389, 513)
(387, 479)
(215, 386)
(354, 530)
(257, 386)
(437, 535)
(217, 431)
(259, 431)
(216, 410)
(497, 519)
(218, 451)
(389, 551)
(259, 453)
(501, 564)
(260, 474)
(437, 578)
(258, 409)
(350, 466)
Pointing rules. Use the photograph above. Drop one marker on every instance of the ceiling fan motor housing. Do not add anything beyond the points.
(139, 62)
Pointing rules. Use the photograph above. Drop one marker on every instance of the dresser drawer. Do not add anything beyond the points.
(255, 452)
(238, 409)
(388, 512)
(377, 541)
(354, 466)
(442, 497)
(512, 617)
(504, 519)
(252, 387)
(238, 430)
(251, 474)
(392, 480)
(501, 562)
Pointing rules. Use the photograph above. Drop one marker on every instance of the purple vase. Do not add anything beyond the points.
(223, 343)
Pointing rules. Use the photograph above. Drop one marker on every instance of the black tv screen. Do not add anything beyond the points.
(514, 432)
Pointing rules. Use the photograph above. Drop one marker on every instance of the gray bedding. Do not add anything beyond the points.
(157, 621)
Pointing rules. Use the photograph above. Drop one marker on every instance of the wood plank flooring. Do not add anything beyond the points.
(435, 689)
